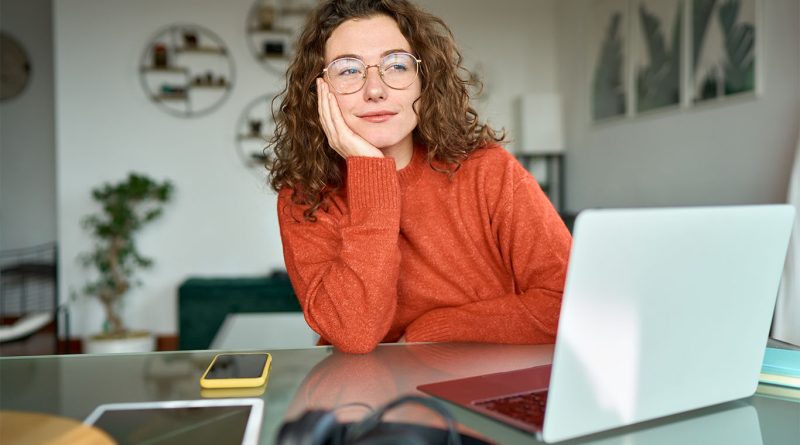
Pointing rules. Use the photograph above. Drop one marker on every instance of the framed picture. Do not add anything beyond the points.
(723, 48)
(609, 34)
(657, 42)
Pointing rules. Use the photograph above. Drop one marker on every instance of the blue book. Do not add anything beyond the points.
(781, 367)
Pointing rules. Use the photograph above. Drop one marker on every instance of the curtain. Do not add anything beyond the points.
(786, 325)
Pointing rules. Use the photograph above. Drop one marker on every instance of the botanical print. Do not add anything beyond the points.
(609, 81)
(723, 48)
(657, 48)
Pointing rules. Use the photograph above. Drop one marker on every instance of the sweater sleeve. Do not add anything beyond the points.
(344, 266)
(534, 244)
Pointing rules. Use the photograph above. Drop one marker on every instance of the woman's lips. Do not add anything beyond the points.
(377, 117)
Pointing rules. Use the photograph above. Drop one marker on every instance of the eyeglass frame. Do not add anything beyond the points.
(366, 70)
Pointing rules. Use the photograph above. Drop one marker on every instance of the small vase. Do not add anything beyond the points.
(135, 342)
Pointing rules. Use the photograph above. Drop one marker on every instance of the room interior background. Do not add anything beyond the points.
(84, 119)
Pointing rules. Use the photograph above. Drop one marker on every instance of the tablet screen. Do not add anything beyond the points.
(191, 423)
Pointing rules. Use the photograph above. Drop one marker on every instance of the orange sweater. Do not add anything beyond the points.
(479, 257)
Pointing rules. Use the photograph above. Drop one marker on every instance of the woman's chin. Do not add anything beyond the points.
(384, 143)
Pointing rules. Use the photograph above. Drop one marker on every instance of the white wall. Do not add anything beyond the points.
(222, 221)
(27, 140)
(511, 45)
(736, 153)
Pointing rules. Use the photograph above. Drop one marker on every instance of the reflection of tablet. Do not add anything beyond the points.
(191, 422)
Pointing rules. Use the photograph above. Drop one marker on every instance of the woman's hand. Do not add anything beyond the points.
(340, 137)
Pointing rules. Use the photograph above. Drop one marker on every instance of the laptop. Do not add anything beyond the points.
(664, 310)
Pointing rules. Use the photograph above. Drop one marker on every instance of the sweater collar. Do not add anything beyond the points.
(413, 171)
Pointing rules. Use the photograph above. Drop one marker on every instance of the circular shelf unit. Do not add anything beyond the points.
(186, 70)
(254, 128)
(272, 29)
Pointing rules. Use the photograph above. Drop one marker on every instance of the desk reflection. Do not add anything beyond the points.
(733, 423)
(387, 373)
(347, 381)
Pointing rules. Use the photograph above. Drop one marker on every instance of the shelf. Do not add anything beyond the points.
(210, 86)
(170, 97)
(168, 69)
(200, 50)
(552, 180)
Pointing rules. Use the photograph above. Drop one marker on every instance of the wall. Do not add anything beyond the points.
(222, 221)
(27, 139)
(735, 153)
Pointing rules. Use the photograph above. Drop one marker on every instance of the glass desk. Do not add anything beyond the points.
(320, 377)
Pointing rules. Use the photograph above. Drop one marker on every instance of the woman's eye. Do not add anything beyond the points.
(397, 67)
(349, 72)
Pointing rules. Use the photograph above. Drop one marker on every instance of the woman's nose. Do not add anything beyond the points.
(374, 88)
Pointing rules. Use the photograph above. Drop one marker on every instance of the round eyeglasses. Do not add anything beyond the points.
(348, 75)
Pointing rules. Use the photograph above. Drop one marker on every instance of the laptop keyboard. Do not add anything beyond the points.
(527, 407)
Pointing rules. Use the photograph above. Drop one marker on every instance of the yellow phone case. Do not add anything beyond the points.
(227, 393)
(241, 382)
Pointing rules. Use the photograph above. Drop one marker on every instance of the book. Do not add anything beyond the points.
(781, 367)
(778, 391)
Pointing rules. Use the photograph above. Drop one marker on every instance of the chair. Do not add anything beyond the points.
(29, 303)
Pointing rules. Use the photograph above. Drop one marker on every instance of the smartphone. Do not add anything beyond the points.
(237, 370)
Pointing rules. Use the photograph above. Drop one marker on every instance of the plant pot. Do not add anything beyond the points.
(130, 342)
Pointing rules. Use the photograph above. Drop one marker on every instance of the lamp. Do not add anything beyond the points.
(541, 128)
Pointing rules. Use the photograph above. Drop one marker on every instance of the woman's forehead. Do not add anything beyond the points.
(365, 38)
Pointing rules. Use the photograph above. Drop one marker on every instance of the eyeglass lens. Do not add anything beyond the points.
(348, 75)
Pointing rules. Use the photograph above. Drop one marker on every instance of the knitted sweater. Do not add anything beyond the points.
(477, 257)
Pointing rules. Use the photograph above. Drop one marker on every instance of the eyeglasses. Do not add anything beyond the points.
(348, 75)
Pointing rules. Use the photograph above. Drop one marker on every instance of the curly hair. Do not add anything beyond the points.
(448, 125)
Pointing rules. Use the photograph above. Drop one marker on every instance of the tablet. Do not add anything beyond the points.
(191, 422)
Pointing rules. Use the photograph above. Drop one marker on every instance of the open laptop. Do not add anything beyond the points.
(664, 310)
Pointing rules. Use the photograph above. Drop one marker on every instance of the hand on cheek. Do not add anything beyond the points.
(340, 137)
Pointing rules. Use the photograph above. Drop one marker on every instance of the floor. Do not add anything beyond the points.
(41, 343)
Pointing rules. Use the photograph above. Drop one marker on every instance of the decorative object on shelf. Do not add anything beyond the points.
(253, 131)
(15, 67)
(187, 70)
(127, 206)
(541, 142)
(273, 27)
(160, 57)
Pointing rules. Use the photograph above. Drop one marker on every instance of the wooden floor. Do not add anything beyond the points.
(41, 343)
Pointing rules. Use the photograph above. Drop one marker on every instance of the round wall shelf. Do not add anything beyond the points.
(253, 131)
(186, 70)
(272, 29)
(15, 67)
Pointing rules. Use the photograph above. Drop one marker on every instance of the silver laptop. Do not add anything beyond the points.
(665, 310)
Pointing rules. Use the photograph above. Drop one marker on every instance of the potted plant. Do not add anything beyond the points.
(127, 206)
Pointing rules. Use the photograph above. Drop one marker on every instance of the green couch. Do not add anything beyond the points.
(203, 304)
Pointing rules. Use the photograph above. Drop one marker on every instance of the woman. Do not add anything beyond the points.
(401, 218)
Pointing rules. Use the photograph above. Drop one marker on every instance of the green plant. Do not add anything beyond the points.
(126, 207)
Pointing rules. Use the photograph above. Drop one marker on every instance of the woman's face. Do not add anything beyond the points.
(381, 115)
